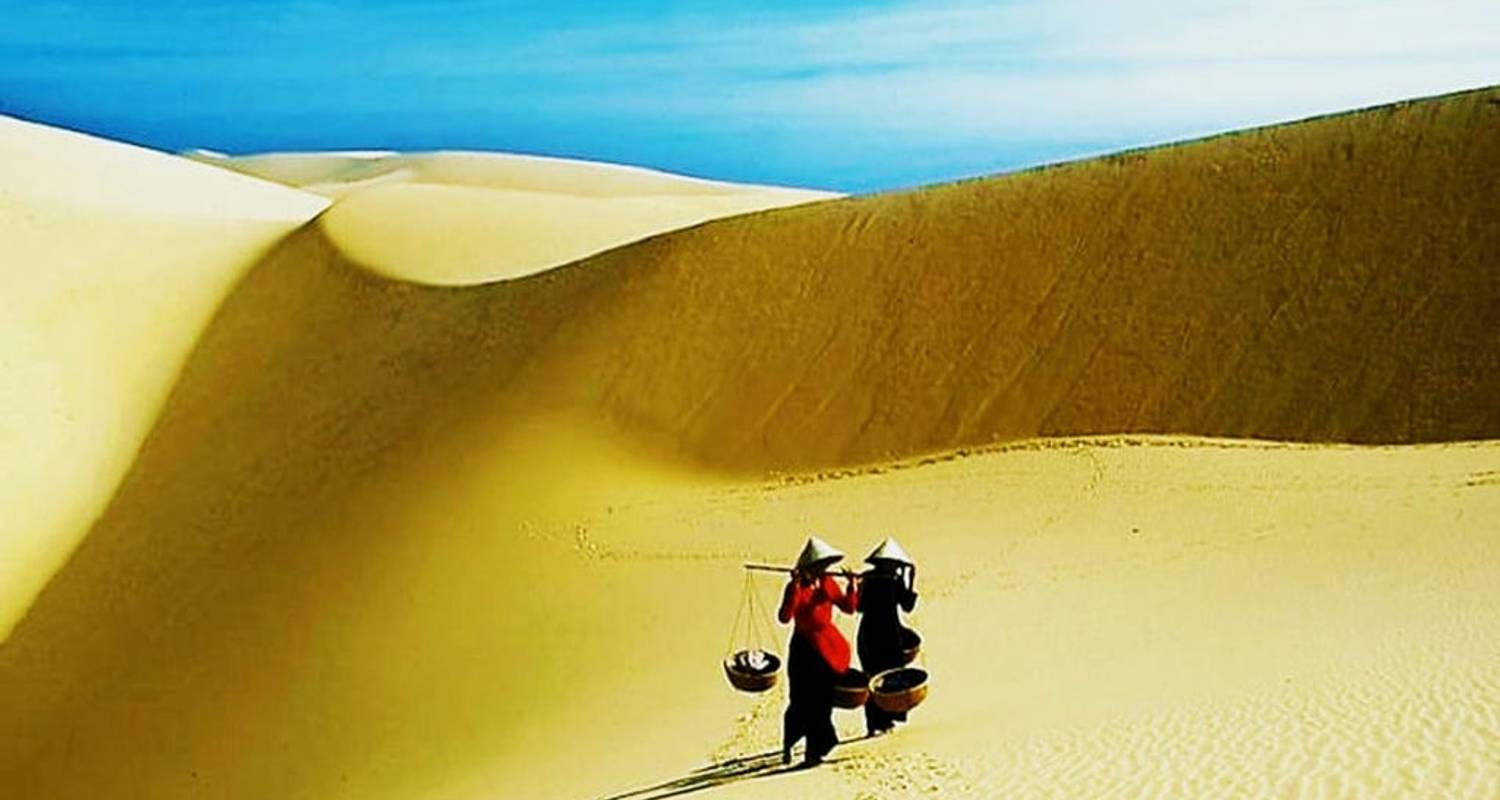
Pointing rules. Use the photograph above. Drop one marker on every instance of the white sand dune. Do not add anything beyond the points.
(512, 171)
(112, 259)
(116, 256)
(77, 170)
(460, 218)
(388, 539)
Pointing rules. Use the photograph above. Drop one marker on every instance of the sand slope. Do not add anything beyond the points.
(116, 256)
(454, 519)
(460, 218)
(1332, 280)
(1328, 281)
(112, 259)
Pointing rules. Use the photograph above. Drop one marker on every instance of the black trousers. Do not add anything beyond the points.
(810, 712)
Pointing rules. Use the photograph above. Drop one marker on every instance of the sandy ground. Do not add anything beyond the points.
(1159, 617)
(1170, 618)
(393, 539)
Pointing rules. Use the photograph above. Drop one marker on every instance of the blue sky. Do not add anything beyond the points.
(845, 95)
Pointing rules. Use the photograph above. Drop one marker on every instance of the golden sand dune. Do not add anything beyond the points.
(390, 540)
(461, 218)
(116, 256)
(112, 259)
(1328, 281)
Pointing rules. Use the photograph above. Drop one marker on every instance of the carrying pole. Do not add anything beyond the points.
(790, 570)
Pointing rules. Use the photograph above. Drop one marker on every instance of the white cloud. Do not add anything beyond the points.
(957, 85)
(1037, 69)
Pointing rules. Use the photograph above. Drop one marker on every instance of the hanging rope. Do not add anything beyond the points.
(739, 615)
(765, 630)
(752, 626)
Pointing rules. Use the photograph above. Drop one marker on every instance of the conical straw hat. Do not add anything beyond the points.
(817, 553)
(889, 550)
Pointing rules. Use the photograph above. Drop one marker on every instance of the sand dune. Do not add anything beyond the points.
(1327, 281)
(112, 259)
(514, 172)
(468, 541)
(459, 218)
(116, 256)
(395, 229)
(304, 169)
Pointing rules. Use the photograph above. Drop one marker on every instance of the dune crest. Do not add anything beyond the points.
(79, 170)
(459, 218)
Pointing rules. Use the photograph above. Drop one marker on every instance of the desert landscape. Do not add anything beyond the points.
(396, 475)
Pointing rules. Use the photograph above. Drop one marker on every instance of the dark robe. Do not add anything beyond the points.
(881, 594)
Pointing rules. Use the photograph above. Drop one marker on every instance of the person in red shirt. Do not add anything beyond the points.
(818, 652)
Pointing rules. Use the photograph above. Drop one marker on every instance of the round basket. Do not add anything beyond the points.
(911, 644)
(851, 689)
(900, 689)
(747, 680)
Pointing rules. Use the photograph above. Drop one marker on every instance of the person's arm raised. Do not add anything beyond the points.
(846, 599)
(790, 599)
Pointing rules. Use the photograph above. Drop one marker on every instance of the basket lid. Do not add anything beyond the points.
(817, 553)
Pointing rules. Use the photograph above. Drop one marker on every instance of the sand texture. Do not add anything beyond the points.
(390, 537)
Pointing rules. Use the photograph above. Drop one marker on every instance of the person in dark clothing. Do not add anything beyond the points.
(818, 653)
(885, 590)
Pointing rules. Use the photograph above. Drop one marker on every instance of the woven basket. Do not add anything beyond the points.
(895, 700)
(747, 681)
(851, 689)
(911, 644)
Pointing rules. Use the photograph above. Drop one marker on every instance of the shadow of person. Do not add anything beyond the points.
(722, 773)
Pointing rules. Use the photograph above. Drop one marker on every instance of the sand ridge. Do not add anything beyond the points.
(513, 171)
(80, 170)
(458, 218)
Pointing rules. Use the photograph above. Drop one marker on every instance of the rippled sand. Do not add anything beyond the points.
(1176, 618)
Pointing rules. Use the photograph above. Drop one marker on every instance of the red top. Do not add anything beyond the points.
(812, 606)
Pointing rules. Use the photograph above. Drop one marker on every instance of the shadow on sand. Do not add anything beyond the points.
(712, 776)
